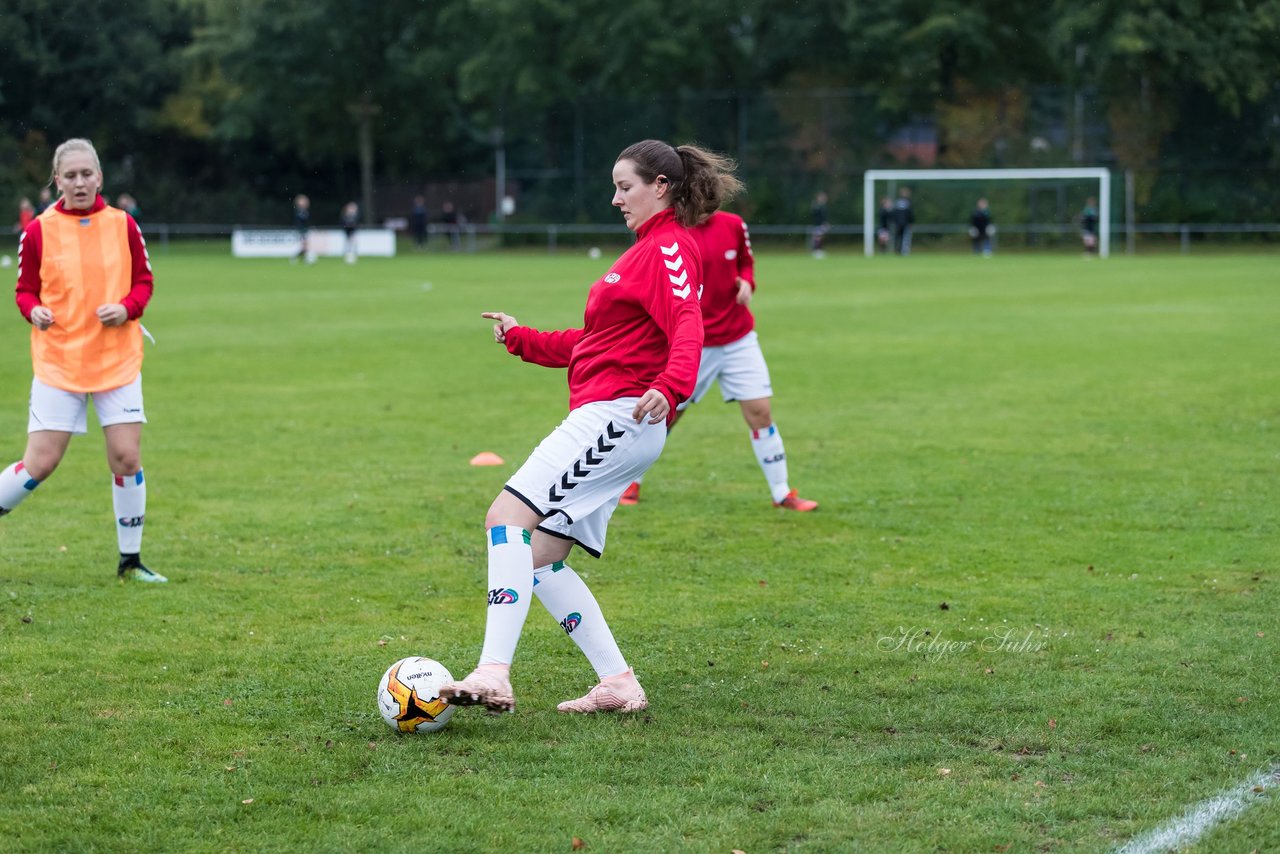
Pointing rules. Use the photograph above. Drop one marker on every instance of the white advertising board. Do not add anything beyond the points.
(321, 242)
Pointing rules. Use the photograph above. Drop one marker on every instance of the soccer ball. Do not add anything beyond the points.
(409, 695)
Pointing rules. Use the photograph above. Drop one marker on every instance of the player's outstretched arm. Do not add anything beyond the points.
(505, 322)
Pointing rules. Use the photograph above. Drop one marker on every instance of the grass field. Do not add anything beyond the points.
(1037, 610)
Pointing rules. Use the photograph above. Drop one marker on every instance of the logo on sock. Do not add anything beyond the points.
(571, 622)
(131, 521)
(776, 458)
(499, 596)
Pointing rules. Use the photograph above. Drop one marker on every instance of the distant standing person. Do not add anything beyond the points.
(26, 213)
(84, 280)
(449, 217)
(903, 218)
(631, 363)
(129, 205)
(731, 352)
(43, 200)
(884, 227)
(302, 224)
(1089, 226)
(981, 229)
(418, 221)
(821, 225)
(350, 224)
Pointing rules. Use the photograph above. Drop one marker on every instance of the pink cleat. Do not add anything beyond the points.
(486, 686)
(621, 693)
(630, 495)
(795, 502)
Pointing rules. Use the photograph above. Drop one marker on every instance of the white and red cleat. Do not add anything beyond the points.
(794, 502)
(486, 686)
(630, 495)
(621, 693)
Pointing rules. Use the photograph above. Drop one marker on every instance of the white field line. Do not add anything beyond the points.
(1191, 825)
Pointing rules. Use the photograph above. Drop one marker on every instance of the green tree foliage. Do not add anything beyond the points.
(211, 104)
(82, 68)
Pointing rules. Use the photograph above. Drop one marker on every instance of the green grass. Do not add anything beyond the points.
(1080, 457)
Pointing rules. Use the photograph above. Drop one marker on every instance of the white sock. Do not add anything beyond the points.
(767, 444)
(566, 596)
(510, 589)
(129, 498)
(15, 486)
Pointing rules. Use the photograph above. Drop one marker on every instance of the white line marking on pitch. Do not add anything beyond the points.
(1192, 824)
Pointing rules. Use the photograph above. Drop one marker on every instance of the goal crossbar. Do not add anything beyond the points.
(1098, 173)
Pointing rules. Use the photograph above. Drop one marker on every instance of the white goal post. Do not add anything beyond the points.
(869, 178)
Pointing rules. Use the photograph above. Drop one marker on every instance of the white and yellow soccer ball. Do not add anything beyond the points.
(409, 695)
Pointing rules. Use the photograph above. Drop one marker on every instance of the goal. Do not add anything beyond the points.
(871, 176)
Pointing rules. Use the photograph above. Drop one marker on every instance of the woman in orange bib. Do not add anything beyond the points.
(84, 279)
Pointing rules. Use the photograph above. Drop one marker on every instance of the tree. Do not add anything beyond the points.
(330, 81)
(87, 69)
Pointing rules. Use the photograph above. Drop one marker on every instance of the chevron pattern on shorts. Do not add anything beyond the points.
(587, 463)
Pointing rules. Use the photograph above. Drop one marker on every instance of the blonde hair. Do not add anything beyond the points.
(75, 146)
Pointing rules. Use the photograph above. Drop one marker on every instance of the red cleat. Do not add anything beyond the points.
(630, 495)
(795, 502)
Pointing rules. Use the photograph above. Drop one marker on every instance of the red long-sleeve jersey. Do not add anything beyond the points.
(726, 257)
(642, 327)
(31, 255)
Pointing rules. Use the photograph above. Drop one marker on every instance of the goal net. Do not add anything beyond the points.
(1031, 206)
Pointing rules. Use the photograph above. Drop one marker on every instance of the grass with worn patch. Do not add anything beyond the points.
(1036, 608)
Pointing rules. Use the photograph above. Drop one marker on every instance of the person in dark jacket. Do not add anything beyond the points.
(884, 227)
(1089, 226)
(903, 218)
(981, 229)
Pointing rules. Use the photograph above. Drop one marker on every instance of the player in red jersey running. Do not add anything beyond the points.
(731, 352)
(631, 363)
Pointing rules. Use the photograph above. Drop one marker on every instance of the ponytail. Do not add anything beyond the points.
(701, 180)
(708, 183)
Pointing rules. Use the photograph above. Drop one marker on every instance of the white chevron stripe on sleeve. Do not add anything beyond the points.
(669, 250)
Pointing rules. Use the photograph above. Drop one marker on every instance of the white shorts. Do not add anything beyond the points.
(576, 475)
(64, 411)
(740, 368)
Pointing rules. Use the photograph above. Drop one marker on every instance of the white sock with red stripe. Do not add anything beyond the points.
(767, 444)
(510, 589)
(129, 498)
(15, 486)
(566, 596)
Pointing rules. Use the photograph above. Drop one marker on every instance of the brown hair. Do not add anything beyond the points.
(701, 180)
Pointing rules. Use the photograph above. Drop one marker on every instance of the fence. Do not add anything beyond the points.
(474, 237)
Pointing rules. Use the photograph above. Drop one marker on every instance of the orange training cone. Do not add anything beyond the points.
(486, 458)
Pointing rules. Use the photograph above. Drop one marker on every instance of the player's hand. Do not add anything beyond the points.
(112, 314)
(744, 291)
(654, 404)
(41, 317)
(505, 322)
